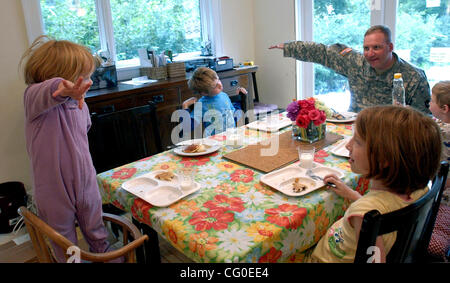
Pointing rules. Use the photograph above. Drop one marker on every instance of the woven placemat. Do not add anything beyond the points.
(264, 157)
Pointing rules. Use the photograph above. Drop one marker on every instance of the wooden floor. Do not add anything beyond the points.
(24, 253)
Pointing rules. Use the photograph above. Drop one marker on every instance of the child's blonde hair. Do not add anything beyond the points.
(403, 146)
(203, 80)
(47, 58)
(441, 91)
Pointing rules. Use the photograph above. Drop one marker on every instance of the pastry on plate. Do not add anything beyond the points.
(195, 148)
(165, 176)
(298, 187)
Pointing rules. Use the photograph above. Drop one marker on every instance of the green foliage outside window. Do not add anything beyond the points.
(62, 20)
(156, 24)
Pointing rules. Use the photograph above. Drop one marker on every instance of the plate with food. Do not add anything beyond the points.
(197, 147)
(293, 180)
(342, 117)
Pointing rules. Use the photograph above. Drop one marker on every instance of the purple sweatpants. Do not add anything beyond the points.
(65, 186)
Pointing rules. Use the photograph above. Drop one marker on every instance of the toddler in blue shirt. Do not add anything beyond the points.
(214, 109)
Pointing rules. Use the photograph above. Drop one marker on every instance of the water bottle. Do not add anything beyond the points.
(398, 90)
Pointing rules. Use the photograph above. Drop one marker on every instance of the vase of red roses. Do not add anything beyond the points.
(308, 117)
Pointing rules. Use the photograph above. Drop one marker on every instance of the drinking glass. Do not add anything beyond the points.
(186, 178)
(306, 156)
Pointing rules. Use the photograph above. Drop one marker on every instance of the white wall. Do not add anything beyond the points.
(249, 28)
(274, 23)
(238, 30)
(14, 164)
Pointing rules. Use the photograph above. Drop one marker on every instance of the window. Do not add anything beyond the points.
(124, 26)
(72, 20)
(422, 36)
(419, 32)
(337, 21)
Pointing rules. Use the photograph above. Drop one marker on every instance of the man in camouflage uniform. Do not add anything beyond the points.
(370, 75)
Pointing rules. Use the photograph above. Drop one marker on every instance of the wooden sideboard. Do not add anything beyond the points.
(168, 95)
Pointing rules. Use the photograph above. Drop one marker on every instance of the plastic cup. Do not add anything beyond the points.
(306, 156)
(186, 178)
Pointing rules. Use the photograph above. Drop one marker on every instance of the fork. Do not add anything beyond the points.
(318, 178)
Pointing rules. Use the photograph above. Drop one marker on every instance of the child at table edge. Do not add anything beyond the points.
(440, 108)
(206, 82)
(57, 120)
(439, 246)
(384, 136)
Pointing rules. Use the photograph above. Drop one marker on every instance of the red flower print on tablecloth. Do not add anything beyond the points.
(124, 173)
(200, 243)
(224, 203)
(287, 215)
(271, 256)
(318, 157)
(214, 219)
(242, 175)
(189, 161)
(139, 210)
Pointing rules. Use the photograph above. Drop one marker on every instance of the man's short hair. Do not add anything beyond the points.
(380, 28)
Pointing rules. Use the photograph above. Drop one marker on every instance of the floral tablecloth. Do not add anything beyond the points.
(233, 217)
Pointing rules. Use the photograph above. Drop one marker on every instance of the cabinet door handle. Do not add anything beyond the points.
(158, 98)
(107, 109)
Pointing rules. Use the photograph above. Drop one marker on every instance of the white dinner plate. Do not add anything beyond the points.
(339, 149)
(214, 146)
(270, 124)
(349, 117)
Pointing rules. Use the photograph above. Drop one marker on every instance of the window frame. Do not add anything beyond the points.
(210, 13)
(383, 12)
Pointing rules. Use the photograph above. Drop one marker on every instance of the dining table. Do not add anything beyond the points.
(234, 217)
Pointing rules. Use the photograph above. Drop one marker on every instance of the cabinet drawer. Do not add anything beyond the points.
(111, 105)
(232, 83)
(163, 98)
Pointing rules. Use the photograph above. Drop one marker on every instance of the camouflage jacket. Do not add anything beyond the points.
(366, 86)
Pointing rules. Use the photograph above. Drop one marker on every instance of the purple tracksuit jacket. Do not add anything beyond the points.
(65, 185)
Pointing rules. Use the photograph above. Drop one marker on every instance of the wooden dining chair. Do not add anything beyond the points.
(124, 136)
(414, 225)
(40, 234)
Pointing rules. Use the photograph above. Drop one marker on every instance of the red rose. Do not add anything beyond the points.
(306, 104)
(314, 114)
(322, 119)
(303, 121)
(303, 112)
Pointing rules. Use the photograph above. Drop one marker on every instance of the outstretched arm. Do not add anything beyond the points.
(75, 90)
(278, 46)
